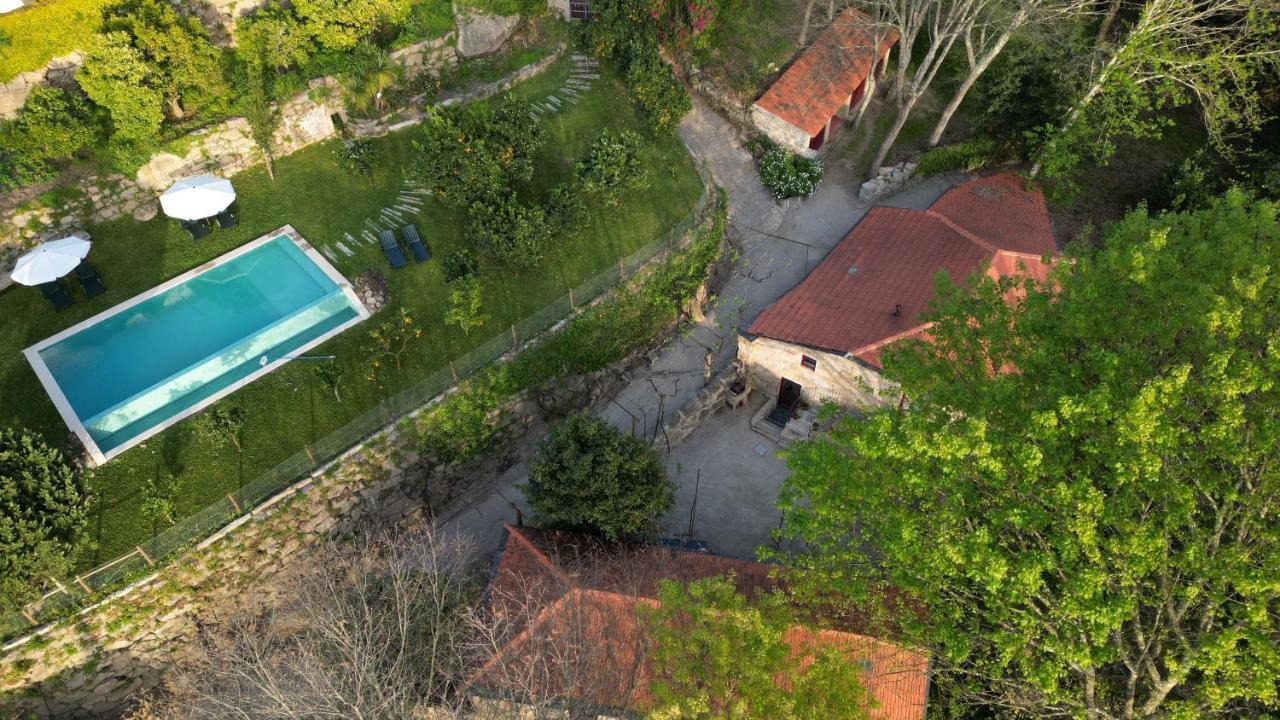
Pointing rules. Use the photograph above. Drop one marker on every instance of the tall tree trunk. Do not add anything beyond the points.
(975, 71)
(831, 10)
(1108, 18)
(804, 23)
(175, 108)
(900, 120)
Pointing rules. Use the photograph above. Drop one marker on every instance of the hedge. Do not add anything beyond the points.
(39, 33)
(967, 155)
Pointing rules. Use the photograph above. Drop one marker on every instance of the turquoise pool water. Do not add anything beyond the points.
(127, 372)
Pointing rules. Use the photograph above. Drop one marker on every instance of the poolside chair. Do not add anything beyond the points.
(389, 248)
(419, 250)
(196, 228)
(58, 297)
(226, 219)
(89, 279)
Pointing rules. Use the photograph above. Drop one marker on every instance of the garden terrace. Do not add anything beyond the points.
(291, 408)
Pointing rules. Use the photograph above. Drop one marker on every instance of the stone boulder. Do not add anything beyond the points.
(480, 34)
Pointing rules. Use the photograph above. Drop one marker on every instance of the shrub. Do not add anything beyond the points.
(219, 425)
(462, 425)
(427, 19)
(357, 155)
(1026, 87)
(659, 94)
(788, 175)
(566, 210)
(968, 155)
(43, 512)
(52, 125)
(423, 83)
(116, 77)
(510, 231)
(459, 264)
(340, 24)
(465, 305)
(588, 476)
(612, 165)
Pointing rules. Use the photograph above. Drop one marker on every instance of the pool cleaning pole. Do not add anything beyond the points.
(263, 360)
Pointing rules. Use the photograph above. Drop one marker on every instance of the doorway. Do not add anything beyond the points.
(788, 399)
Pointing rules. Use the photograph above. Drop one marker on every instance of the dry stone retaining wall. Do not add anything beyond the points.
(60, 72)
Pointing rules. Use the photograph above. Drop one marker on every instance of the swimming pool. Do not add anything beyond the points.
(129, 372)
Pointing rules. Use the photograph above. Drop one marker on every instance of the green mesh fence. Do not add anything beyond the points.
(193, 529)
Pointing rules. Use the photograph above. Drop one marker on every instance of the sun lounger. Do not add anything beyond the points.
(54, 293)
(226, 219)
(389, 248)
(195, 228)
(419, 250)
(89, 279)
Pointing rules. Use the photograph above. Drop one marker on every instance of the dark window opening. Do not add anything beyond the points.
(788, 399)
(808, 363)
(579, 11)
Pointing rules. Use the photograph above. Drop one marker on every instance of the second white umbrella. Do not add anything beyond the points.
(50, 261)
(197, 198)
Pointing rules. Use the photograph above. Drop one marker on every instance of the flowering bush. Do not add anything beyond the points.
(788, 175)
(684, 22)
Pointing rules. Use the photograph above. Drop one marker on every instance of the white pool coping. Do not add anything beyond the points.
(96, 455)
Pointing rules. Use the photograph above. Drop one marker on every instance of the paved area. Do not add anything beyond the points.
(779, 243)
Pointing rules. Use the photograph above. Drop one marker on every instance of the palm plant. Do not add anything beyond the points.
(370, 72)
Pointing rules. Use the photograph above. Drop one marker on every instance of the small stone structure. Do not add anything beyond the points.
(372, 289)
(888, 181)
(836, 377)
(59, 72)
(480, 34)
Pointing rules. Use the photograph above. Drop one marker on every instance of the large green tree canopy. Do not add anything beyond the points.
(1092, 533)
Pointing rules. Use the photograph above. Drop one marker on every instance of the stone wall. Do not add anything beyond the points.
(709, 400)
(436, 55)
(836, 378)
(888, 181)
(60, 72)
(780, 131)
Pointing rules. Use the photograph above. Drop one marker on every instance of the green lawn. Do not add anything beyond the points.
(287, 409)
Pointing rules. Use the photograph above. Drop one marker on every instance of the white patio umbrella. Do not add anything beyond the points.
(196, 198)
(9, 5)
(50, 261)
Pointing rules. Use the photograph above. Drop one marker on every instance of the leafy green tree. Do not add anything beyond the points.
(43, 513)
(1215, 54)
(659, 94)
(466, 303)
(1091, 533)
(181, 62)
(52, 125)
(272, 36)
(566, 210)
(512, 232)
(158, 497)
(340, 24)
(612, 165)
(717, 656)
(116, 77)
(589, 476)
(474, 154)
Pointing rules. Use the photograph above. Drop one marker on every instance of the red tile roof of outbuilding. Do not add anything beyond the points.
(873, 287)
(590, 593)
(817, 84)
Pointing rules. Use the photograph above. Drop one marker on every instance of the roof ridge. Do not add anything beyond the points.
(892, 338)
(543, 559)
(522, 636)
(971, 237)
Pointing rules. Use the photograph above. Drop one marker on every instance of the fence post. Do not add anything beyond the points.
(514, 340)
(144, 554)
(454, 373)
(572, 304)
(84, 585)
(310, 456)
(236, 505)
(622, 268)
(30, 618)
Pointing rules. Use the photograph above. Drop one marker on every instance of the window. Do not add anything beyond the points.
(808, 363)
(579, 10)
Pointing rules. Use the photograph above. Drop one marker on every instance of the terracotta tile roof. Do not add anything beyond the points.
(818, 83)
(602, 606)
(873, 287)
